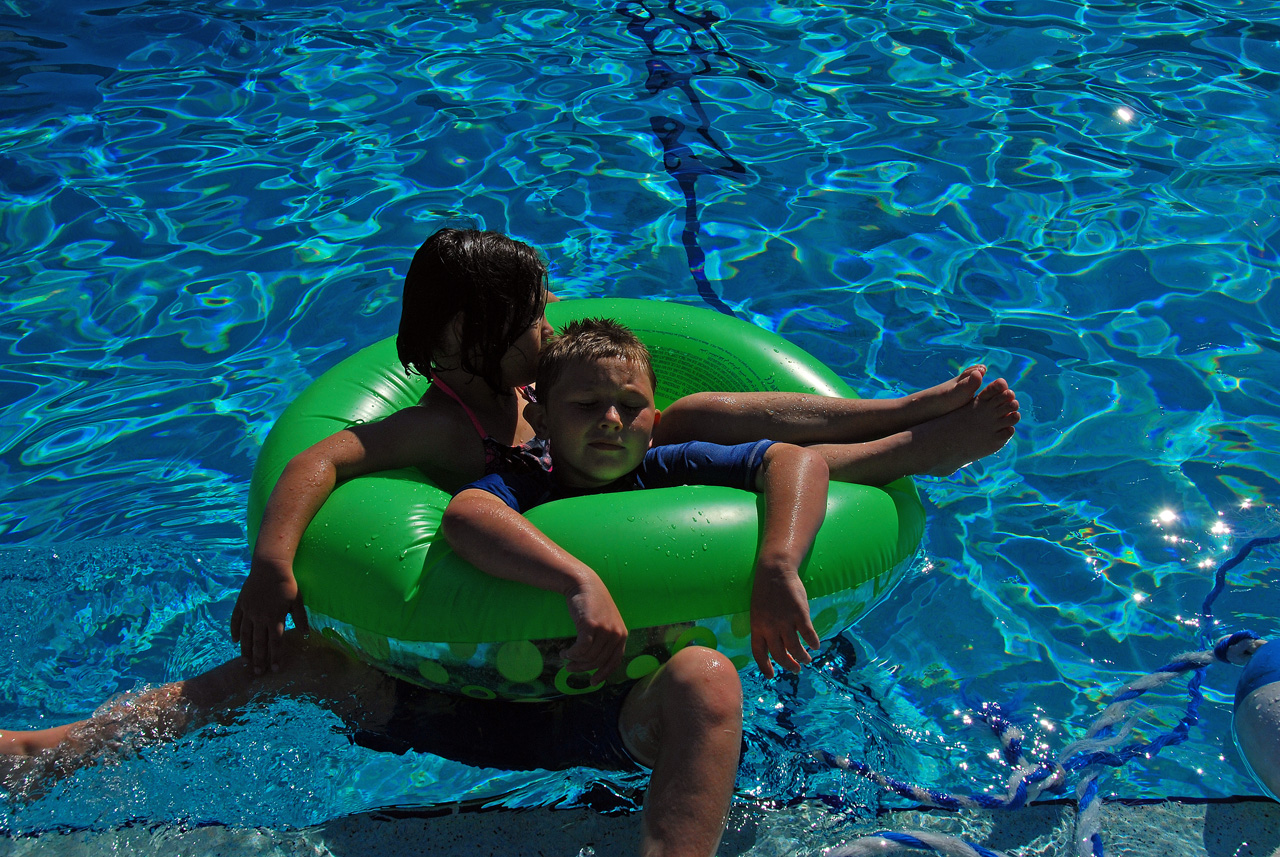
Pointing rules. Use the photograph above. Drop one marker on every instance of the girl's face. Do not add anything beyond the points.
(520, 363)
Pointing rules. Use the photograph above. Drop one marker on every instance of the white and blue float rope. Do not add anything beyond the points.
(879, 844)
(1089, 756)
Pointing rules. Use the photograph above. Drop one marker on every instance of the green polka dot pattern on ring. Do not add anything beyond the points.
(379, 584)
(531, 669)
(518, 661)
(433, 672)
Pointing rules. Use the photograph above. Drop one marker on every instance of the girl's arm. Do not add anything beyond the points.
(498, 540)
(794, 482)
(411, 437)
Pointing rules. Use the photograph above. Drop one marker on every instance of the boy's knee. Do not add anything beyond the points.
(694, 697)
(704, 683)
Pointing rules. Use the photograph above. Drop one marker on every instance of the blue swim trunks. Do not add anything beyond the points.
(574, 731)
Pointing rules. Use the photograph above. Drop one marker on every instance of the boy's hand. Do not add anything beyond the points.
(794, 481)
(498, 540)
(602, 635)
(780, 623)
(257, 622)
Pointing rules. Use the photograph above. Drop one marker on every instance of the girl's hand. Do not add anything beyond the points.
(257, 622)
(602, 635)
(780, 624)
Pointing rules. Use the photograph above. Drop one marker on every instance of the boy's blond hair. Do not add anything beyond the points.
(590, 340)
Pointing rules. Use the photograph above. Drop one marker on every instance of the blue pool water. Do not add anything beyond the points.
(206, 204)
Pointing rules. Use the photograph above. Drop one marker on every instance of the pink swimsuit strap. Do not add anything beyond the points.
(526, 457)
(475, 421)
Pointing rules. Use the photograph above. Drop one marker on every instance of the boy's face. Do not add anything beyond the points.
(599, 418)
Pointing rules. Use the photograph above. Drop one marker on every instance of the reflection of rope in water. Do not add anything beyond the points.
(1089, 756)
(678, 158)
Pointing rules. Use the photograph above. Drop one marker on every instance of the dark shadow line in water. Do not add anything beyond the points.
(678, 157)
(1220, 583)
(1192, 800)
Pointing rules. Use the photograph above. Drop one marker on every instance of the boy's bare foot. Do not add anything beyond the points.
(978, 428)
(940, 399)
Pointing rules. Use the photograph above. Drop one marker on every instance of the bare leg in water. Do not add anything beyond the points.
(129, 722)
(685, 722)
(804, 419)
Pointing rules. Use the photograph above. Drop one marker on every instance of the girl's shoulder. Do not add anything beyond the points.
(440, 441)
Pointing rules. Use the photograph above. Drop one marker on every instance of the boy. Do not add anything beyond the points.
(596, 407)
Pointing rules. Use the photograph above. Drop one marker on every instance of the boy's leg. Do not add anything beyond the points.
(939, 447)
(730, 418)
(685, 721)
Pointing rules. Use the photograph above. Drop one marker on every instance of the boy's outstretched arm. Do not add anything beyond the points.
(794, 482)
(498, 540)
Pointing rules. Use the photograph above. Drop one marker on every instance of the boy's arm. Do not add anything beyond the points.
(500, 541)
(270, 593)
(794, 482)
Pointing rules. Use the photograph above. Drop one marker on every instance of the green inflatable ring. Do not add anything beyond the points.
(379, 584)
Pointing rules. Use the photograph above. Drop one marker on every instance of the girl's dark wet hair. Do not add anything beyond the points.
(497, 283)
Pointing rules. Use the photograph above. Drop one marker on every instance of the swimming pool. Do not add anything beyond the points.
(206, 204)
